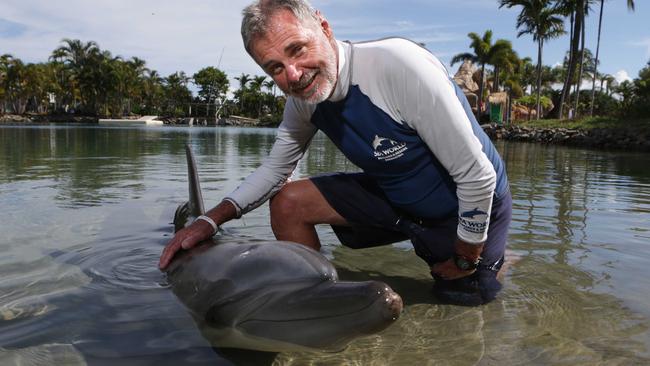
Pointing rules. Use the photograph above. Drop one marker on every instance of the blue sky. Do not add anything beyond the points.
(190, 34)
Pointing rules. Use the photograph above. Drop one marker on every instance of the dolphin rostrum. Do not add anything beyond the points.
(272, 295)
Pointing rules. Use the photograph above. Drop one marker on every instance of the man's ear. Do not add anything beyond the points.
(324, 24)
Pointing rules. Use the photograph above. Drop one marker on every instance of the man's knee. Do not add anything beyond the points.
(287, 203)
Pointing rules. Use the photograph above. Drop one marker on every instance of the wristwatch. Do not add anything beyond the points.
(465, 264)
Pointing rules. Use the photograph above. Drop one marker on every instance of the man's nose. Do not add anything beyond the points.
(293, 74)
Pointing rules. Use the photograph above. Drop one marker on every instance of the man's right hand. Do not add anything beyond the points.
(198, 231)
(186, 238)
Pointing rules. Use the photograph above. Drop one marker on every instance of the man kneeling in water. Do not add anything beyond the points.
(430, 173)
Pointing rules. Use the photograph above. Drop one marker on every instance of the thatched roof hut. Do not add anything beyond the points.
(498, 98)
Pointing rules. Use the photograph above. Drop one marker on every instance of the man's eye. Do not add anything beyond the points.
(276, 70)
(300, 51)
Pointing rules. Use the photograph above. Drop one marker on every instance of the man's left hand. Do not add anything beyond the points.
(448, 270)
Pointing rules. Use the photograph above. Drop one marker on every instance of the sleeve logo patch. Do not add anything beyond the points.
(466, 221)
(471, 214)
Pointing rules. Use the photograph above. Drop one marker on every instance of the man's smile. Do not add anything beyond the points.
(305, 83)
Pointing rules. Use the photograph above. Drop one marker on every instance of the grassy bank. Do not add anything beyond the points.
(588, 123)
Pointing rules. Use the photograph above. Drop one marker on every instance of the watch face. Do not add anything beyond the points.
(465, 265)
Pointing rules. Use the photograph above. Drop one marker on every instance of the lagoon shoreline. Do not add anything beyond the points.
(619, 138)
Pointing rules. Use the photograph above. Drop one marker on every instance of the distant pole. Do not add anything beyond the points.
(221, 56)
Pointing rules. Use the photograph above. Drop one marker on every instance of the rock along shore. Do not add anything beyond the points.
(603, 138)
(26, 119)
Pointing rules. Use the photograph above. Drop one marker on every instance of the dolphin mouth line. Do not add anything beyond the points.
(360, 310)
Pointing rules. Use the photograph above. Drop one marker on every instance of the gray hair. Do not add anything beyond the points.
(257, 14)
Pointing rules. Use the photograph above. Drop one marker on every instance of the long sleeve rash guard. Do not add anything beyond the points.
(397, 115)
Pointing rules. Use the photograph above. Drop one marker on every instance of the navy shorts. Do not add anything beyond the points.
(375, 222)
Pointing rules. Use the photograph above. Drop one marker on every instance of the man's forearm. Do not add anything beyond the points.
(223, 212)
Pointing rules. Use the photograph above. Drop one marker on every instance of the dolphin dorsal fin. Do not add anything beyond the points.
(196, 199)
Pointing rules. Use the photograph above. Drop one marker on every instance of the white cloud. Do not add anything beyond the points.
(621, 76)
(170, 37)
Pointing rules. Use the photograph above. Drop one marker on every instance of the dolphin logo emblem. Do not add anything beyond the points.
(472, 213)
(378, 141)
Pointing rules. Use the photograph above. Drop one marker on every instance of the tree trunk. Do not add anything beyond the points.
(495, 84)
(582, 61)
(593, 85)
(540, 45)
(20, 106)
(479, 107)
(575, 43)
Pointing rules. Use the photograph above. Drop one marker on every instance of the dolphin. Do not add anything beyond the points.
(271, 295)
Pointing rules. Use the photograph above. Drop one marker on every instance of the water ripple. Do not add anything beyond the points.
(120, 264)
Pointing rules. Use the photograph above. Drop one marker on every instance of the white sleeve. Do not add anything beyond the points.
(293, 137)
(427, 102)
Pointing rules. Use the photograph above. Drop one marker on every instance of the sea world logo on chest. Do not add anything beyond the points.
(387, 149)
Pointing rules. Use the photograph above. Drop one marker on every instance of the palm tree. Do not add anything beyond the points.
(611, 83)
(15, 85)
(630, 7)
(176, 92)
(504, 61)
(526, 73)
(270, 85)
(135, 71)
(82, 59)
(256, 88)
(152, 92)
(257, 83)
(75, 52)
(626, 90)
(584, 70)
(243, 81)
(539, 19)
(577, 10)
(74, 55)
(484, 52)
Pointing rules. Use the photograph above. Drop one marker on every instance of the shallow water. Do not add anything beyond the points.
(86, 212)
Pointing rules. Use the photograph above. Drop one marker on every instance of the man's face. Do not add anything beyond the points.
(301, 58)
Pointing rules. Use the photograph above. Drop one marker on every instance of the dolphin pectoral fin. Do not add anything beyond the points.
(181, 216)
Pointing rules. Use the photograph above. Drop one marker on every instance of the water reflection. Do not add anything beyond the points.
(87, 210)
